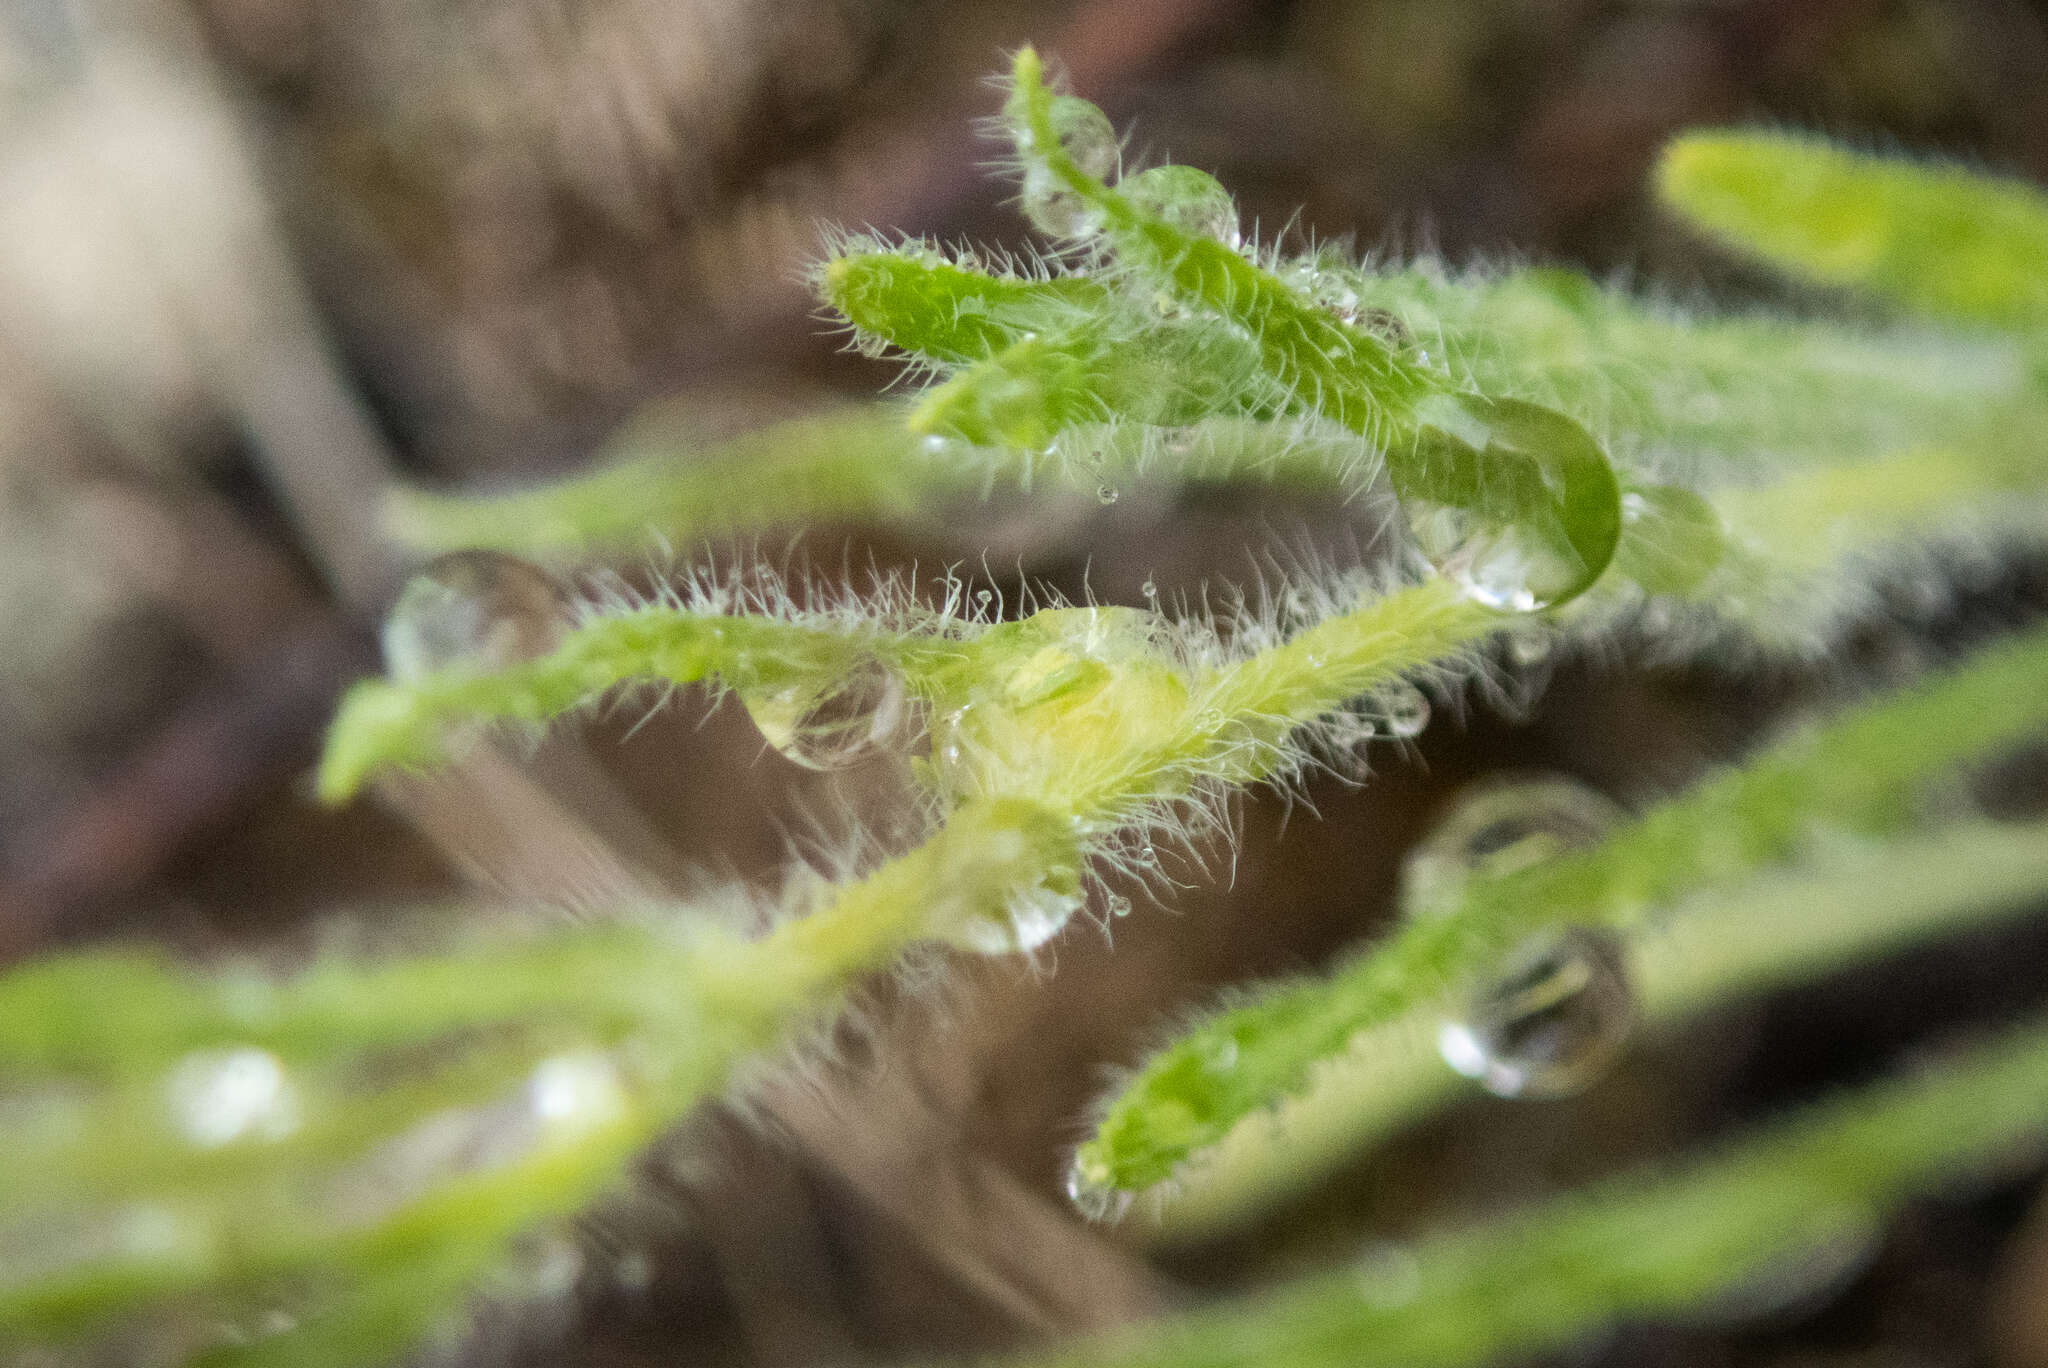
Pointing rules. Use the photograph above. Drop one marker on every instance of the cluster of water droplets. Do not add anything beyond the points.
(476, 610)
(1553, 1013)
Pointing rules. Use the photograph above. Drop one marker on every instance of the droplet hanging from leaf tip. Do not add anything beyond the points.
(1514, 501)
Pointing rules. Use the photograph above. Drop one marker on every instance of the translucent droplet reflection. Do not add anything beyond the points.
(1104, 1205)
(1671, 539)
(480, 610)
(1192, 201)
(1550, 1020)
(866, 710)
(1090, 142)
(1030, 919)
(1403, 709)
(1513, 501)
(218, 1097)
(1106, 494)
(1499, 826)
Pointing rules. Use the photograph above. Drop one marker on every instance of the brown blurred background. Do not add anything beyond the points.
(260, 257)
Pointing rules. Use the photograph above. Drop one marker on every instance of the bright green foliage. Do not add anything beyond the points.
(1861, 773)
(1937, 239)
(1734, 1225)
(1825, 915)
(1548, 519)
(855, 464)
(437, 1104)
(1552, 445)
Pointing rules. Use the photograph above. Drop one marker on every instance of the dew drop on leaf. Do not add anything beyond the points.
(866, 709)
(1497, 827)
(1192, 201)
(1106, 494)
(1086, 135)
(1030, 919)
(218, 1097)
(1090, 143)
(1549, 1020)
(481, 610)
(1119, 905)
(1402, 708)
(1513, 501)
(1096, 1202)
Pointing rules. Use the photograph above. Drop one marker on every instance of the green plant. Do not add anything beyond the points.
(1573, 465)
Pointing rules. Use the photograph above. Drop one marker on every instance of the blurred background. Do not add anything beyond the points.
(261, 258)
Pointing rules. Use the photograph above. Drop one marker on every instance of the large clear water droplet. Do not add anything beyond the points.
(1402, 708)
(1085, 135)
(865, 711)
(1106, 494)
(478, 610)
(1498, 827)
(1549, 1020)
(1090, 142)
(1514, 501)
(1192, 201)
(218, 1097)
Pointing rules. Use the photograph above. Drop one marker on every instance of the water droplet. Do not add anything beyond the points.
(1514, 501)
(1497, 827)
(1550, 1020)
(1095, 1201)
(863, 711)
(1193, 201)
(1529, 643)
(1088, 139)
(1086, 136)
(220, 1096)
(1119, 905)
(1178, 441)
(984, 597)
(1106, 494)
(1030, 920)
(1403, 708)
(1671, 539)
(481, 610)
(576, 1092)
(1150, 590)
(1055, 210)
